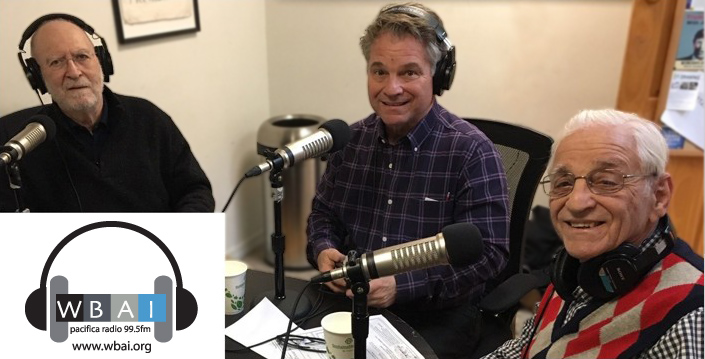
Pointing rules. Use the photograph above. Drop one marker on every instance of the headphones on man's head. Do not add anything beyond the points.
(445, 68)
(31, 67)
(610, 274)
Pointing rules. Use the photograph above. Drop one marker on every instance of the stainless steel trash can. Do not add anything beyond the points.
(299, 183)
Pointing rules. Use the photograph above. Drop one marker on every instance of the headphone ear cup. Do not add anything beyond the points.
(564, 274)
(445, 72)
(35, 308)
(187, 308)
(439, 78)
(106, 62)
(611, 274)
(34, 75)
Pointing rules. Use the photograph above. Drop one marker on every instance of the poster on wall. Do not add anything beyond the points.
(690, 47)
(138, 20)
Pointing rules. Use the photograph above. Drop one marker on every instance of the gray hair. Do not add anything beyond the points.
(402, 24)
(651, 146)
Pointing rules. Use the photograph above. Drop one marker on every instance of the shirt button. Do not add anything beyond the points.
(389, 201)
(384, 239)
(390, 166)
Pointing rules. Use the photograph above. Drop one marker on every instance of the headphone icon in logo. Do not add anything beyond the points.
(36, 305)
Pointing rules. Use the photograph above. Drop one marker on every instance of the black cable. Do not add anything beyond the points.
(276, 337)
(284, 336)
(68, 173)
(39, 96)
(233, 193)
(291, 319)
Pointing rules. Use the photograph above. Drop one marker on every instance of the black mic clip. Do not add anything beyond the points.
(352, 260)
(269, 154)
(354, 273)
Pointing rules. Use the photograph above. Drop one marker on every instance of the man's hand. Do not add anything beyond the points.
(327, 261)
(383, 292)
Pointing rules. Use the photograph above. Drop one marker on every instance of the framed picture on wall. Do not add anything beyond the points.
(138, 20)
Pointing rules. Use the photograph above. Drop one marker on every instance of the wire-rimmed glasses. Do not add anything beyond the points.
(599, 181)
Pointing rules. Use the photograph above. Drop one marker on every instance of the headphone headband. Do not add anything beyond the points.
(430, 20)
(117, 224)
(32, 28)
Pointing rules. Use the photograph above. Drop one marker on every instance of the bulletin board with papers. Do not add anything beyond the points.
(684, 107)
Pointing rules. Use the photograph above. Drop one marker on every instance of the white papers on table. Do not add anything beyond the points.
(266, 321)
(383, 342)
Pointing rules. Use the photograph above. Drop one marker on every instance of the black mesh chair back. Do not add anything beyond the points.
(525, 154)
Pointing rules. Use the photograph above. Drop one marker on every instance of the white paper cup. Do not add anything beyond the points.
(234, 286)
(337, 332)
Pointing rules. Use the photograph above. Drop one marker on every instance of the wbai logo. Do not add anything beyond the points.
(154, 307)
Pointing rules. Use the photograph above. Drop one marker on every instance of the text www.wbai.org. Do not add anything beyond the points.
(114, 346)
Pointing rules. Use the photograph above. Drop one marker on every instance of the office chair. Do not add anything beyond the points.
(525, 154)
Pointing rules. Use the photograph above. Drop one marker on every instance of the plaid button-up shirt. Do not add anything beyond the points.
(377, 195)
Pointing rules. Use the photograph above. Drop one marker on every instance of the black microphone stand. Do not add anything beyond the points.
(360, 316)
(281, 298)
(15, 180)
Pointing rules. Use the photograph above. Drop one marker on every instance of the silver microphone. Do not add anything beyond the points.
(40, 129)
(458, 244)
(330, 137)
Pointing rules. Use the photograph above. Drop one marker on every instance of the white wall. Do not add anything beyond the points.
(534, 63)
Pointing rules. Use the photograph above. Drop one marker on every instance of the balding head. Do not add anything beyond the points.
(48, 31)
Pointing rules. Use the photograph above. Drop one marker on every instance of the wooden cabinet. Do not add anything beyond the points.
(686, 208)
(652, 44)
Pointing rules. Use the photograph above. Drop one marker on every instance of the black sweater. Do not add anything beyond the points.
(145, 164)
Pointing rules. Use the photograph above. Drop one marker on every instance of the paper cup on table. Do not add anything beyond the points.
(234, 287)
(337, 332)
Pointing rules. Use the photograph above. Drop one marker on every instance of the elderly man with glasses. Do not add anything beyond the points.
(623, 286)
(111, 152)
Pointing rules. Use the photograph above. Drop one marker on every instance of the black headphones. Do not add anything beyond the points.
(31, 67)
(610, 274)
(36, 305)
(445, 68)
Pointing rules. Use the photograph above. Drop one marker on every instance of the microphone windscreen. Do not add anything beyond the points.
(463, 243)
(47, 123)
(339, 131)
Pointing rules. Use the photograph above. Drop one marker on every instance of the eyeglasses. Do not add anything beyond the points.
(309, 344)
(601, 181)
(81, 59)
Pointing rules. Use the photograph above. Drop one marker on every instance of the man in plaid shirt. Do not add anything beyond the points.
(410, 169)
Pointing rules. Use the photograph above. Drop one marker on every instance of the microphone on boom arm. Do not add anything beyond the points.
(332, 136)
(41, 128)
(458, 244)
